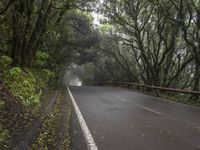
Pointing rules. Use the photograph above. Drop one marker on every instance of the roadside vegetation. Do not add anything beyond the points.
(38, 41)
(152, 42)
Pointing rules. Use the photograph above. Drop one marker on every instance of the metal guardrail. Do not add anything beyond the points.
(154, 87)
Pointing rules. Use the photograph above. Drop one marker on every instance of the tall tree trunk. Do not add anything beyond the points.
(15, 36)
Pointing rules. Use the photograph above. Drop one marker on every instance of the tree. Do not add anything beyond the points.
(154, 42)
(188, 19)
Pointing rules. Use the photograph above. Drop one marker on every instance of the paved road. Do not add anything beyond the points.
(120, 119)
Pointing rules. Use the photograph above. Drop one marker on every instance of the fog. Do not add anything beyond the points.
(76, 75)
(75, 82)
(71, 79)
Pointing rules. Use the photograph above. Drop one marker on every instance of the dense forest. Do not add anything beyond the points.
(152, 42)
(38, 41)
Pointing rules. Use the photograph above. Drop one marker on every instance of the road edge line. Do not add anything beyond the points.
(149, 109)
(86, 132)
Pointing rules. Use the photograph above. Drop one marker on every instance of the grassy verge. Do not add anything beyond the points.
(15, 118)
(54, 133)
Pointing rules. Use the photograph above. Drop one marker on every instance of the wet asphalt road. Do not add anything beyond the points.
(121, 119)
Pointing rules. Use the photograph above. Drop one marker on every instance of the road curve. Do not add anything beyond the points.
(121, 119)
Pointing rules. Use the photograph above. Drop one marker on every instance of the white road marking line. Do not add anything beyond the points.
(198, 128)
(107, 93)
(121, 99)
(86, 132)
(198, 147)
(158, 113)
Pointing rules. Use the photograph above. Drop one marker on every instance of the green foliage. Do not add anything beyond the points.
(15, 72)
(5, 61)
(26, 85)
(86, 15)
(47, 74)
(105, 28)
(42, 77)
(4, 47)
(1, 104)
(4, 136)
(22, 85)
(41, 58)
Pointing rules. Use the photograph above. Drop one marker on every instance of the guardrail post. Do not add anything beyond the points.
(158, 92)
(141, 89)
